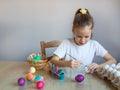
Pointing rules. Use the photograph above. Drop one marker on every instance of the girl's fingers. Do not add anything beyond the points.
(76, 63)
(92, 67)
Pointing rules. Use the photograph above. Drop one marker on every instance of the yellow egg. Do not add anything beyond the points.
(32, 70)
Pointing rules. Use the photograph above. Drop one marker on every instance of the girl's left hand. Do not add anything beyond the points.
(93, 67)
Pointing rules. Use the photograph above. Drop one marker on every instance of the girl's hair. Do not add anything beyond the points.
(83, 18)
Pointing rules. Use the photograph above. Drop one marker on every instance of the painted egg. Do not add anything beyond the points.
(79, 78)
(40, 84)
(21, 81)
(32, 70)
(39, 78)
(29, 76)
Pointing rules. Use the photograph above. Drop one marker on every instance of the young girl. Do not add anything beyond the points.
(81, 49)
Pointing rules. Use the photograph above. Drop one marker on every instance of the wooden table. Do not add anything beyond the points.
(10, 71)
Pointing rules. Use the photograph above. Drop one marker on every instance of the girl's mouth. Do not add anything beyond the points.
(81, 43)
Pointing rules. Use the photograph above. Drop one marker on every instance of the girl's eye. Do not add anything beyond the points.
(86, 36)
(79, 36)
(82, 36)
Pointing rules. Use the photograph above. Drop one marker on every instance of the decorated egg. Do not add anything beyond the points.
(40, 84)
(29, 76)
(39, 78)
(32, 70)
(21, 81)
(79, 78)
(38, 57)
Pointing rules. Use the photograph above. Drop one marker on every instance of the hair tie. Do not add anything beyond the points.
(83, 11)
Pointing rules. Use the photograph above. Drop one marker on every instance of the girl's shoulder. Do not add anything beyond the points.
(94, 42)
(68, 40)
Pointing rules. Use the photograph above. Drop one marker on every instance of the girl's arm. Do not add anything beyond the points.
(109, 60)
(65, 63)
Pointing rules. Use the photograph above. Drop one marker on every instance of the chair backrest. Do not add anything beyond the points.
(49, 44)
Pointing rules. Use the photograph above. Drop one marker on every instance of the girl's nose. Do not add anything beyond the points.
(82, 39)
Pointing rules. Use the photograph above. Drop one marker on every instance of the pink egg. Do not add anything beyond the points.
(79, 78)
(21, 81)
(40, 84)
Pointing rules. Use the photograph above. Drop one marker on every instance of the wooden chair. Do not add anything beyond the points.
(50, 44)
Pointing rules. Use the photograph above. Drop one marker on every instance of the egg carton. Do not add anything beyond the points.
(112, 73)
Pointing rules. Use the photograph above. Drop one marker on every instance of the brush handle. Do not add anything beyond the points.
(71, 56)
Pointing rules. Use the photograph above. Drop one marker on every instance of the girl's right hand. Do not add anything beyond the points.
(74, 63)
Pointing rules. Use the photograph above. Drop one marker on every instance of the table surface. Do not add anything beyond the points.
(10, 71)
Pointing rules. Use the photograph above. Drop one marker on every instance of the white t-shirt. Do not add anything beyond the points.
(68, 50)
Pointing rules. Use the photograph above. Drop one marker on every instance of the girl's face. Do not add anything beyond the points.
(82, 35)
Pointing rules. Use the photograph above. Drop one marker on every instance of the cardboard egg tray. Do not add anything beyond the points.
(112, 73)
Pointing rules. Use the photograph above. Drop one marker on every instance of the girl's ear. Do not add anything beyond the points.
(91, 34)
(72, 30)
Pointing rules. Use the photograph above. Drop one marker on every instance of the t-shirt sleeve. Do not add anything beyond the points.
(100, 50)
(61, 50)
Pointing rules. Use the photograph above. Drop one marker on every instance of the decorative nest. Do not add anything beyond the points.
(38, 64)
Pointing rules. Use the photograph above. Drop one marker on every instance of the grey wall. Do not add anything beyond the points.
(24, 23)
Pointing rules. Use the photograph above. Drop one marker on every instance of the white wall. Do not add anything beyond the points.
(24, 23)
